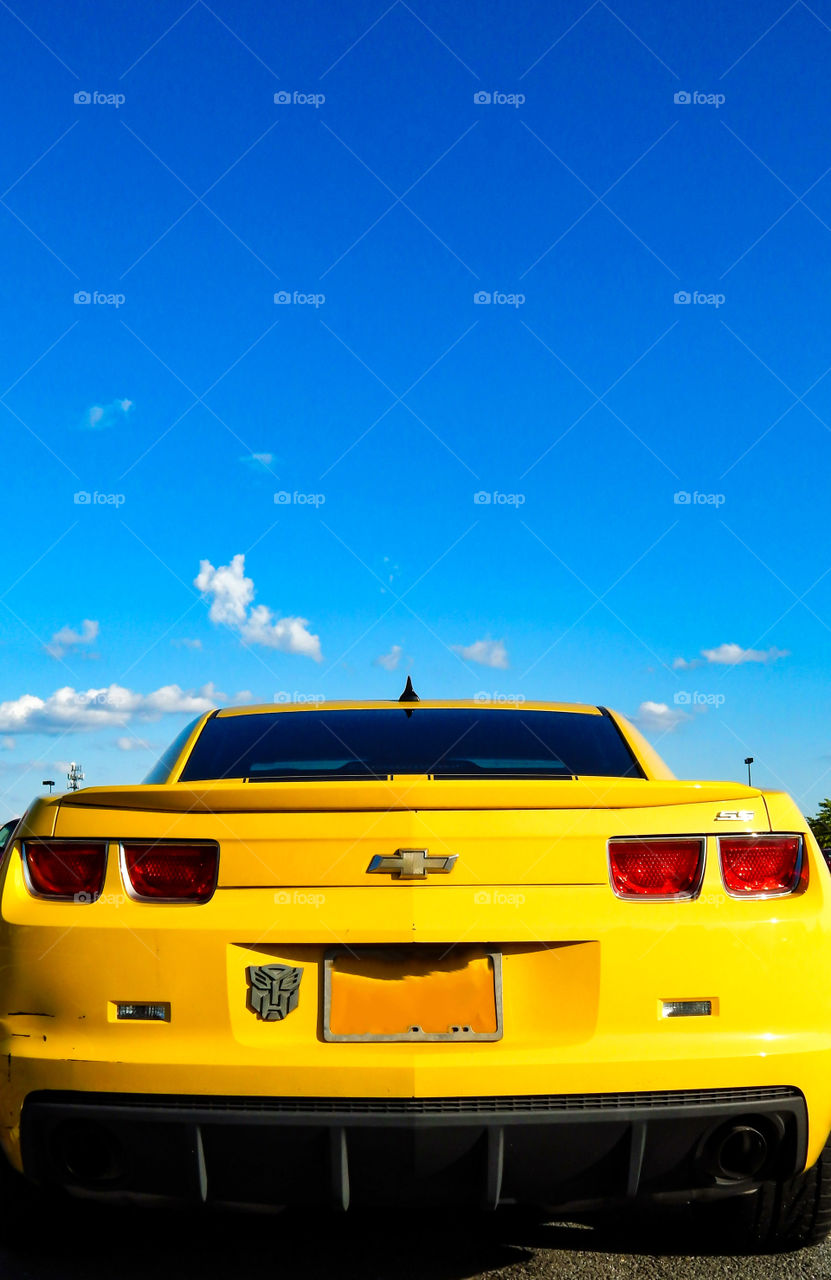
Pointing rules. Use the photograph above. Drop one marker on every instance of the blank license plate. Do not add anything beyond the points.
(417, 993)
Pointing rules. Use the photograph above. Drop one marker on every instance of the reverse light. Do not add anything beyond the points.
(755, 866)
(686, 1008)
(669, 868)
(69, 870)
(171, 872)
(130, 1011)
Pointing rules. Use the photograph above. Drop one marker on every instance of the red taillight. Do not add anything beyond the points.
(760, 866)
(172, 872)
(67, 869)
(656, 868)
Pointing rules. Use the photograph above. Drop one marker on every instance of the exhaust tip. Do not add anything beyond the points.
(736, 1152)
(88, 1152)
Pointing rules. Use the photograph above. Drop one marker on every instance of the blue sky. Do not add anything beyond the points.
(586, 168)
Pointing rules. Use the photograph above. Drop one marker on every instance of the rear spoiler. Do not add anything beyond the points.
(402, 793)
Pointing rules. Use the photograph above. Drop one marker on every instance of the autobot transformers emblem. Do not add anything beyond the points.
(274, 990)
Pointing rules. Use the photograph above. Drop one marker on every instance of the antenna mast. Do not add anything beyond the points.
(75, 775)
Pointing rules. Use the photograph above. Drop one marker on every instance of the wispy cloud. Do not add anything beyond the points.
(259, 461)
(101, 416)
(488, 653)
(66, 638)
(389, 661)
(231, 595)
(658, 717)
(69, 709)
(730, 655)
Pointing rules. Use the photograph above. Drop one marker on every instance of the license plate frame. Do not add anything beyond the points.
(456, 1034)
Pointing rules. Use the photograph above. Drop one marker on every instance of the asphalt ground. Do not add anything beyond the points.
(76, 1240)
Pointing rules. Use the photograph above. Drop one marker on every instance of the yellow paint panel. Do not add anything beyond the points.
(391, 992)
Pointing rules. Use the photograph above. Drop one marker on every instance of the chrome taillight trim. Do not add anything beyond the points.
(800, 874)
(77, 899)
(689, 896)
(133, 893)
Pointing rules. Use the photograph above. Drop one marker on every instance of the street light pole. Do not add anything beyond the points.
(748, 761)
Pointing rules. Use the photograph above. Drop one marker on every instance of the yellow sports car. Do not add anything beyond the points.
(421, 953)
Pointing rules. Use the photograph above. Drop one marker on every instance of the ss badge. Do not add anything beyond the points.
(274, 990)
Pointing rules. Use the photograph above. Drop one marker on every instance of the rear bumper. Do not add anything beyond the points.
(571, 1149)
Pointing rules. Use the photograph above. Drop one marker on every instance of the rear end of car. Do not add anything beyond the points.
(415, 989)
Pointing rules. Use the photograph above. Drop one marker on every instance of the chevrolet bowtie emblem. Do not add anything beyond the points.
(410, 864)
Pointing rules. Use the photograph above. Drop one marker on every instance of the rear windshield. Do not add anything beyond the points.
(458, 743)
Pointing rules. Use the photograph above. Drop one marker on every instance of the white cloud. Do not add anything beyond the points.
(7, 744)
(657, 717)
(132, 744)
(289, 634)
(101, 416)
(488, 653)
(231, 594)
(260, 461)
(66, 638)
(187, 643)
(389, 661)
(730, 655)
(70, 709)
(230, 591)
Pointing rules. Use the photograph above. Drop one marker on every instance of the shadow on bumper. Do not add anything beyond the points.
(587, 1150)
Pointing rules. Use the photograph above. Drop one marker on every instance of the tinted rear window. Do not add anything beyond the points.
(456, 743)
